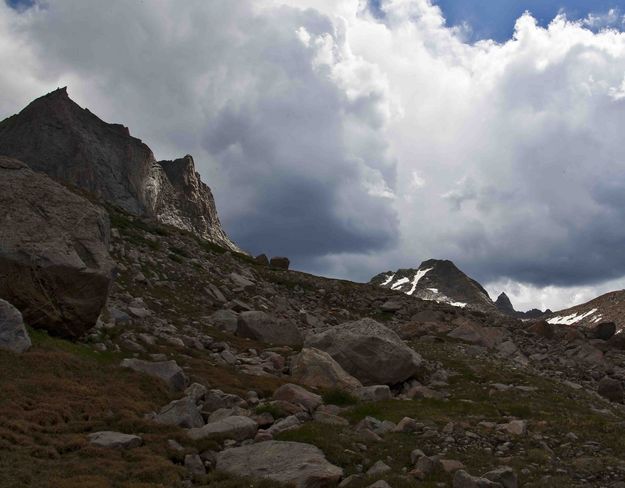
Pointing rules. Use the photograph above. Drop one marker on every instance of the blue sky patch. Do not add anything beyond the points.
(494, 19)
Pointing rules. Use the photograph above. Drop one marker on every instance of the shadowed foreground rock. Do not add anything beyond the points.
(370, 352)
(303, 465)
(13, 334)
(54, 261)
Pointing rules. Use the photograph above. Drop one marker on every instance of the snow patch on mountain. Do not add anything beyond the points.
(574, 318)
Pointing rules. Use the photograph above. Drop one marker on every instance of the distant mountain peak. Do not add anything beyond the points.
(54, 135)
(504, 304)
(438, 280)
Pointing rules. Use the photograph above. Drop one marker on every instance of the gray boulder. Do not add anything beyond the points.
(264, 328)
(182, 413)
(369, 351)
(54, 261)
(299, 396)
(295, 463)
(317, 369)
(462, 479)
(505, 476)
(237, 428)
(225, 320)
(115, 440)
(168, 371)
(374, 393)
(13, 334)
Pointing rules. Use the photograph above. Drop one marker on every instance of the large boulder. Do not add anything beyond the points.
(182, 413)
(54, 261)
(369, 351)
(235, 427)
(300, 465)
(317, 369)
(13, 334)
(168, 371)
(265, 328)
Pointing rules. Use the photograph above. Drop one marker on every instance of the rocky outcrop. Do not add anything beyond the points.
(294, 463)
(13, 334)
(54, 261)
(72, 145)
(370, 352)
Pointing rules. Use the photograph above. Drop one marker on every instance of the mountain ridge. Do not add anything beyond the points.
(54, 135)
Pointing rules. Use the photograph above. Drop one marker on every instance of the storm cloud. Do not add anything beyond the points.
(358, 141)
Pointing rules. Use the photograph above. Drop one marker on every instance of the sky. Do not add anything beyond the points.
(360, 136)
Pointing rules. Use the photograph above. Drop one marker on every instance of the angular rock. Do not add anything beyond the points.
(379, 484)
(542, 328)
(505, 476)
(374, 393)
(603, 331)
(298, 395)
(280, 263)
(225, 320)
(317, 369)
(379, 467)
(262, 260)
(515, 427)
(182, 413)
(168, 371)
(462, 479)
(611, 389)
(13, 334)
(115, 440)
(54, 262)
(301, 465)
(264, 328)
(369, 351)
(194, 465)
(237, 428)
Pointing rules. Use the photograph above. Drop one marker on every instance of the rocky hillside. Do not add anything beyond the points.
(606, 308)
(439, 281)
(72, 145)
(135, 353)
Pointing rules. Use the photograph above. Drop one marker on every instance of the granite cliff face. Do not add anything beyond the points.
(55, 136)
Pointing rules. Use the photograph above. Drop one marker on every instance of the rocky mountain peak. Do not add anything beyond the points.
(504, 304)
(438, 280)
(54, 135)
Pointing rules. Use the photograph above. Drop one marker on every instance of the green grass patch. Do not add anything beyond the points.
(338, 397)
